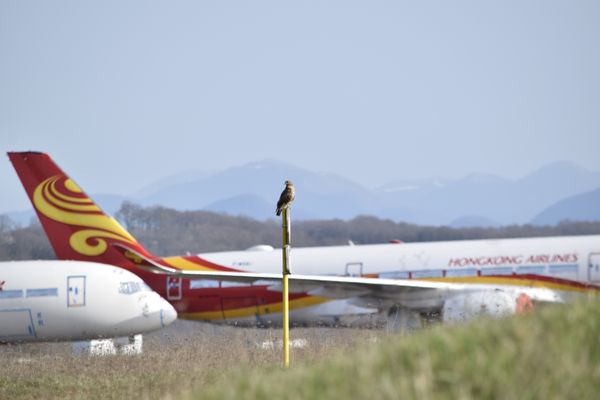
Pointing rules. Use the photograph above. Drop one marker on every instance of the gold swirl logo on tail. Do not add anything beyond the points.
(61, 200)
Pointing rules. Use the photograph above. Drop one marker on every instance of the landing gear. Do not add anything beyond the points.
(127, 345)
(401, 319)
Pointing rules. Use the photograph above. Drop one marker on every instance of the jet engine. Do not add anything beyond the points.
(495, 304)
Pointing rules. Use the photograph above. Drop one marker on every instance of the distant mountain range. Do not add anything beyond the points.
(553, 193)
(582, 207)
(476, 200)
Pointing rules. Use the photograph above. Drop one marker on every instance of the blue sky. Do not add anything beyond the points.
(124, 93)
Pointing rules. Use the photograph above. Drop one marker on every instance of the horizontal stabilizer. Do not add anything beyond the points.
(142, 261)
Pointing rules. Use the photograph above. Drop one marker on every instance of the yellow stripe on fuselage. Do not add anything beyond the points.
(182, 263)
(508, 281)
(261, 309)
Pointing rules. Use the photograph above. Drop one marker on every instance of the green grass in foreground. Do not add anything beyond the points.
(552, 354)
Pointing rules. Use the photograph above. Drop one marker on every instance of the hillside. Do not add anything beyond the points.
(581, 207)
(477, 200)
(167, 232)
(253, 188)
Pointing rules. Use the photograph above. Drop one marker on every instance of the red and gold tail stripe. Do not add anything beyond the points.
(61, 200)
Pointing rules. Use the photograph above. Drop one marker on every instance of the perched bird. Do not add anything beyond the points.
(286, 198)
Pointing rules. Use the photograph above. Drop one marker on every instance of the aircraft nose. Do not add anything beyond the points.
(167, 313)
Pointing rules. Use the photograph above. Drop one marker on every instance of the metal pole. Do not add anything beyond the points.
(286, 228)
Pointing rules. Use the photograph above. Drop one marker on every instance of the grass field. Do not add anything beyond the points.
(176, 360)
(553, 354)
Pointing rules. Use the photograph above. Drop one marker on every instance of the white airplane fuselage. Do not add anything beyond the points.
(561, 267)
(75, 300)
(574, 258)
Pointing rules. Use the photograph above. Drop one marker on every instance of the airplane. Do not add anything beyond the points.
(355, 285)
(52, 300)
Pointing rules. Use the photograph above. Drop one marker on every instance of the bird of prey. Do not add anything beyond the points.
(286, 198)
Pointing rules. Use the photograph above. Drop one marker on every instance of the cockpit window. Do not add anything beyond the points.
(133, 287)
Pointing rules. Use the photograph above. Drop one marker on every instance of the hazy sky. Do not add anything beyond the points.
(122, 93)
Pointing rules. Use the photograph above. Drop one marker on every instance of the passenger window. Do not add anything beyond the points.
(11, 294)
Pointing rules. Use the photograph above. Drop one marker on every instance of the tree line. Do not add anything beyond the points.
(164, 231)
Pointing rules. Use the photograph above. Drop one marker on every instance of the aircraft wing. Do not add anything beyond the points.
(410, 293)
(367, 292)
(306, 283)
(301, 283)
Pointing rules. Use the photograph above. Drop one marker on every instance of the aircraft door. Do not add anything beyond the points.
(16, 323)
(174, 288)
(354, 269)
(76, 291)
(594, 267)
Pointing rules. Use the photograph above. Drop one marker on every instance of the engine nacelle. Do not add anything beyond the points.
(495, 304)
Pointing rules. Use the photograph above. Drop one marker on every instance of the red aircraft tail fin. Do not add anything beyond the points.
(76, 227)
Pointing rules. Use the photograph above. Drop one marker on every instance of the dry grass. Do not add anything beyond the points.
(176, 360)
(552, 354)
